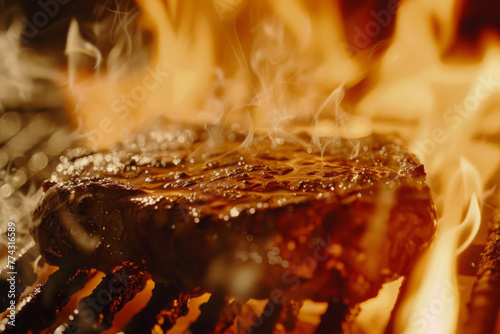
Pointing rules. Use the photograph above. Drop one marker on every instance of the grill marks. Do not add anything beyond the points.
(96, 312)
(41, 309)
(334, 317)
(187, 218)
(210, 314)
(164, 297)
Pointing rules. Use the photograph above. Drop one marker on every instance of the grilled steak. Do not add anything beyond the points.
(217, 212)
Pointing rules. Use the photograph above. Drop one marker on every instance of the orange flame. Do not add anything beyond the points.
(280, 63)
(433, 308)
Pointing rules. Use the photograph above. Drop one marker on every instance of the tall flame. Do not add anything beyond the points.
(273, 64)
(269, 66)
(441, 103)
(205, 66)
(433, 308)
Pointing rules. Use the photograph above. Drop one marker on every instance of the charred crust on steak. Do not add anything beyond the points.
(201, 211)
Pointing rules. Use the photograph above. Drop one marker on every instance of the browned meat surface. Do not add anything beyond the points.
(216, 213)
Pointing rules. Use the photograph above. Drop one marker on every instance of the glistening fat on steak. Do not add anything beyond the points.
(245, 219)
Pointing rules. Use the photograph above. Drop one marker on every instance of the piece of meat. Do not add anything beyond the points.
(217, 212)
